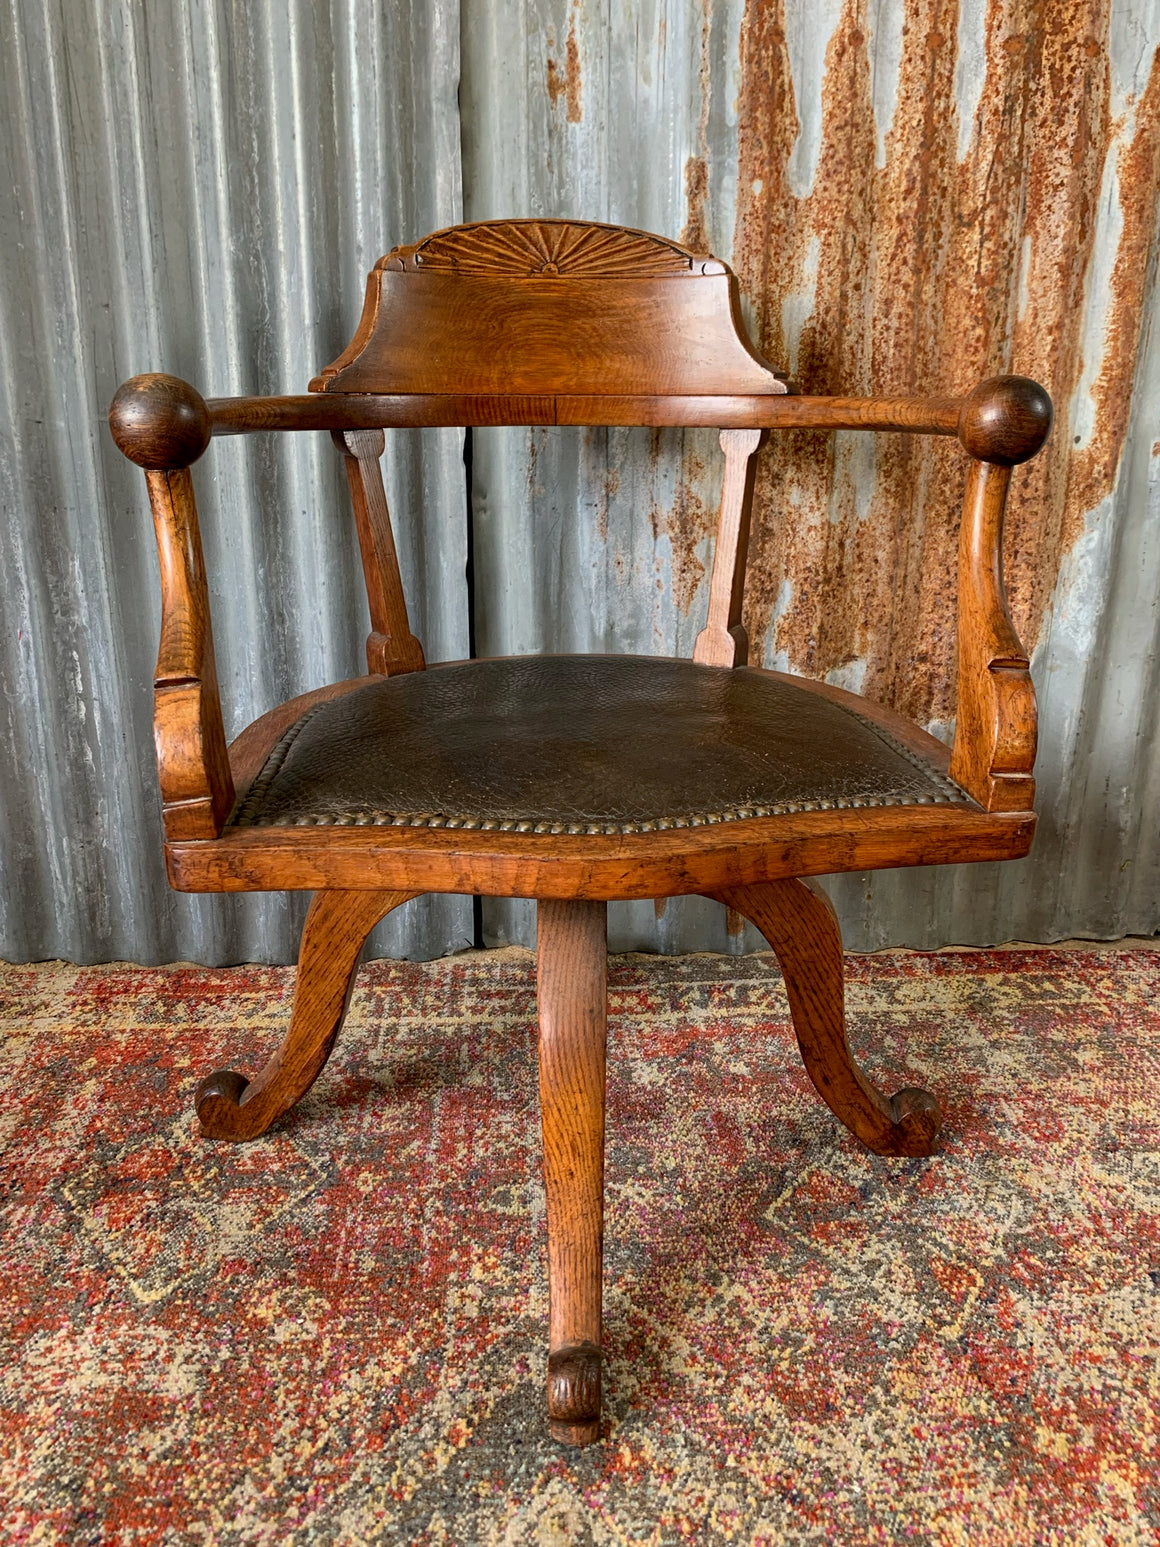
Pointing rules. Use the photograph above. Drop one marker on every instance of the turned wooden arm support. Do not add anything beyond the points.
(162, 424)
(1004, 421)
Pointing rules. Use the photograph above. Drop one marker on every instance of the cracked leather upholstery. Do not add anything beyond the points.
(580, 744)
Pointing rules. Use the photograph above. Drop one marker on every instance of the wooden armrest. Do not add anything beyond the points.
(1003, 422)
(161, 423)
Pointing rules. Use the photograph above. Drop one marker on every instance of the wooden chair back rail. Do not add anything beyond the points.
(391, 647)
(546, 307)
(761, 411)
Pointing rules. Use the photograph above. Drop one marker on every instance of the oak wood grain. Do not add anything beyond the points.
(795, 411)
(548, 307)
(996, 720)
(336, 411)
(798, 920)
(160, 421)
(231, 1107)
(571, 969)
(723, 641)
(391, 647)
(531, 245)
(1005, 420)
(193, 765)
(643, 865)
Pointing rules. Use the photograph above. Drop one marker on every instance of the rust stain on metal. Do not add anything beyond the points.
(688, 522)
(609, 489)
(567, 83)
(557, 85)
(925, 275)
(694, 233)
(1094, 464)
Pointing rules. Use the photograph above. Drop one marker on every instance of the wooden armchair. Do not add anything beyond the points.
(574, 779)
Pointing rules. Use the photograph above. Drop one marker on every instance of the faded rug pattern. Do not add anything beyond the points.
(336, 1334)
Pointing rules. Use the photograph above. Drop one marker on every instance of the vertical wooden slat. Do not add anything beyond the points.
(391, 647)
(722, 642)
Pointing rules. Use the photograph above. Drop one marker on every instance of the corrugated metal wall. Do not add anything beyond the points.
(200, 189)
(913, 195)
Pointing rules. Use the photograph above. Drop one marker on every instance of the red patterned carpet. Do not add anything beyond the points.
(336, 1334)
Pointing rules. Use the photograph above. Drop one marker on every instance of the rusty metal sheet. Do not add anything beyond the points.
(1002, 219)
(914, 196)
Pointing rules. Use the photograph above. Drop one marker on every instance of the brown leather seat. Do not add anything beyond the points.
(593, 744)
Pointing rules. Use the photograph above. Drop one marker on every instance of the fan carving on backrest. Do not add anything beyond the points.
(549, 307)
(515, 248)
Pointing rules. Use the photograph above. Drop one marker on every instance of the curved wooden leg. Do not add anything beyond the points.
(231, 1107)
(572, 965)
(797, 919)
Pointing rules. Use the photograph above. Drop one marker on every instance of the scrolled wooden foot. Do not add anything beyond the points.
(919, 1117)
(574, 1393)
(572, 958)
(231, 1107)
(217, 1097)
(797, 919)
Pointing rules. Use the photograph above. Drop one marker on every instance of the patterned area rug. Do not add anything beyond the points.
(337, 1334)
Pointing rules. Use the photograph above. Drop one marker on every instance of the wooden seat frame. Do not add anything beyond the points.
(571, 323)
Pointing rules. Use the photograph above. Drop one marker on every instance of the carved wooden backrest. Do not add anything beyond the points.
(514, 307)
(545, 308)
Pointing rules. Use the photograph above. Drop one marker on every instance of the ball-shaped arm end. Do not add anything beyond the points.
(160, 421)
(1005, 420)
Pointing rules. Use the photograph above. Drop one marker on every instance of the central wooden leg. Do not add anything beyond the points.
(572, 966)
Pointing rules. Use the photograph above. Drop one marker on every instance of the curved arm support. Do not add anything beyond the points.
(161, 423)
(1003, 422)
(193, 765)
(995, 726)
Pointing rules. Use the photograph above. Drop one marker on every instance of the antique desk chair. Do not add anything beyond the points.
(574, 779)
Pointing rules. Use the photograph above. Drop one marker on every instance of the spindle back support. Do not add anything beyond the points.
(391, 647)
(544, 308)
